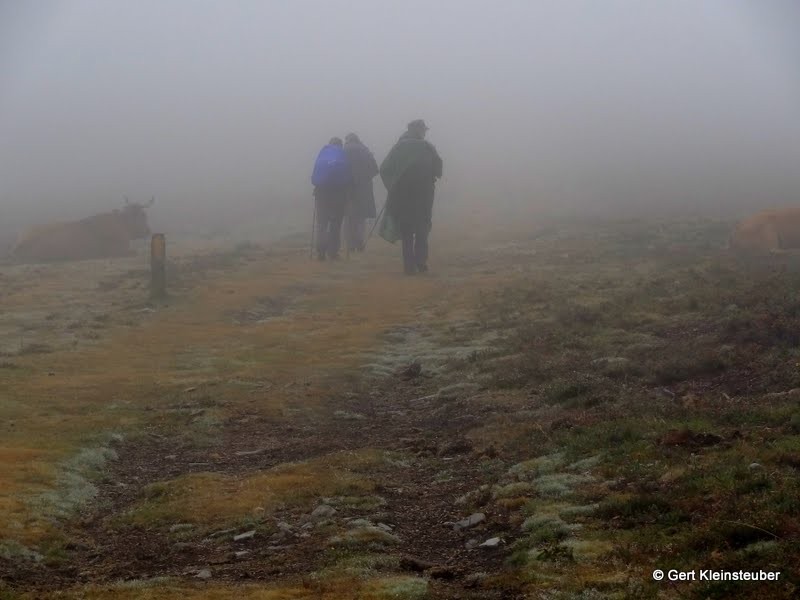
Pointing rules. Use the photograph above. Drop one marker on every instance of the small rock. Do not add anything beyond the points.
(171, 457)
(471, 544)
(180, 527)
(184, 547)
(249, 452)
(470, 521)
(755, 466)
(241, 553)
(457, 390)
(204, 574)
(792, 392)
(285, 527)
(355, 523)
(491, 543)
(385, 527)
(382, 517)
(221, 532)
(365, 535)
(323, 511)
(672, 475)
(244, 536)
(473, 580)
(189, 389)
(611, 361)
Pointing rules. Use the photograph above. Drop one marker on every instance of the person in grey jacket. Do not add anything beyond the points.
(361, 199)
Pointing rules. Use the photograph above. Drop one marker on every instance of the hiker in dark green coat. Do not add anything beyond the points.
(409, 173)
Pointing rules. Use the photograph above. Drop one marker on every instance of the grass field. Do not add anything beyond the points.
(613, 397)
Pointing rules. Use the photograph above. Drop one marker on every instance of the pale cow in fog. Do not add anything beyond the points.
(768, 231)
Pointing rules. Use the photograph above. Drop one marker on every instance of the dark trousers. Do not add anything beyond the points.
(356, 232)
(415, 246)
(330, 212)
(410, 203)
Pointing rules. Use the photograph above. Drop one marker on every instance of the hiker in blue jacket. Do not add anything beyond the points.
(332, 178)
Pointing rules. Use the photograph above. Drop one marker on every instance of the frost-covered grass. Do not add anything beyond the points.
(657, 368)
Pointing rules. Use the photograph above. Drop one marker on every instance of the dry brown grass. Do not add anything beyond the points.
(398, 588)
(57, 403)
(211, 498)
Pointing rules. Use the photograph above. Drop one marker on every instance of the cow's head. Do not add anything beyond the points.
(135, 219)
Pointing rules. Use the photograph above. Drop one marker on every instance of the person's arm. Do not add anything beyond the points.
(373, 166)
(386, 169)
(437, 164)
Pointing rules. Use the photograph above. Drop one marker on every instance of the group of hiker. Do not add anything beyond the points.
(342, 179)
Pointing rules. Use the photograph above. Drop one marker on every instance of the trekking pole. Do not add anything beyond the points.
(380, 214)
(348, 234)
(313, 231)
(347, 237)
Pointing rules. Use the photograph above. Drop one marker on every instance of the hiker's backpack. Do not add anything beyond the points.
(331, 167)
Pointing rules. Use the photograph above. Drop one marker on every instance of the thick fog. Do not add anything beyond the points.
(219, 108)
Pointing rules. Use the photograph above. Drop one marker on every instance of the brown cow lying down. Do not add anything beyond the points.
(101, 236)
(768, 231)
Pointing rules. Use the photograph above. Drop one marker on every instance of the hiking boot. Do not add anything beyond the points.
(423, 268)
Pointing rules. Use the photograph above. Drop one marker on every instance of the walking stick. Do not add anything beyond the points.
(347, 249)
(313, 231)
(347, 237)
(380, 214)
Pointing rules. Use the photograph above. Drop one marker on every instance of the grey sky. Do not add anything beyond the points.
(221, 106)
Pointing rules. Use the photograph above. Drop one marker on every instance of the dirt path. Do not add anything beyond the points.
(425, 464)
(419, 500)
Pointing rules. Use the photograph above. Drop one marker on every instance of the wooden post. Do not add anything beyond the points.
(158, 266)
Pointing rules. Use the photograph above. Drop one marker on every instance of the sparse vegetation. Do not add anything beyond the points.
(622, 409)
(686, 461)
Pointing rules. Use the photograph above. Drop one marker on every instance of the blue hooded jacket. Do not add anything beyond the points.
(331, 167)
